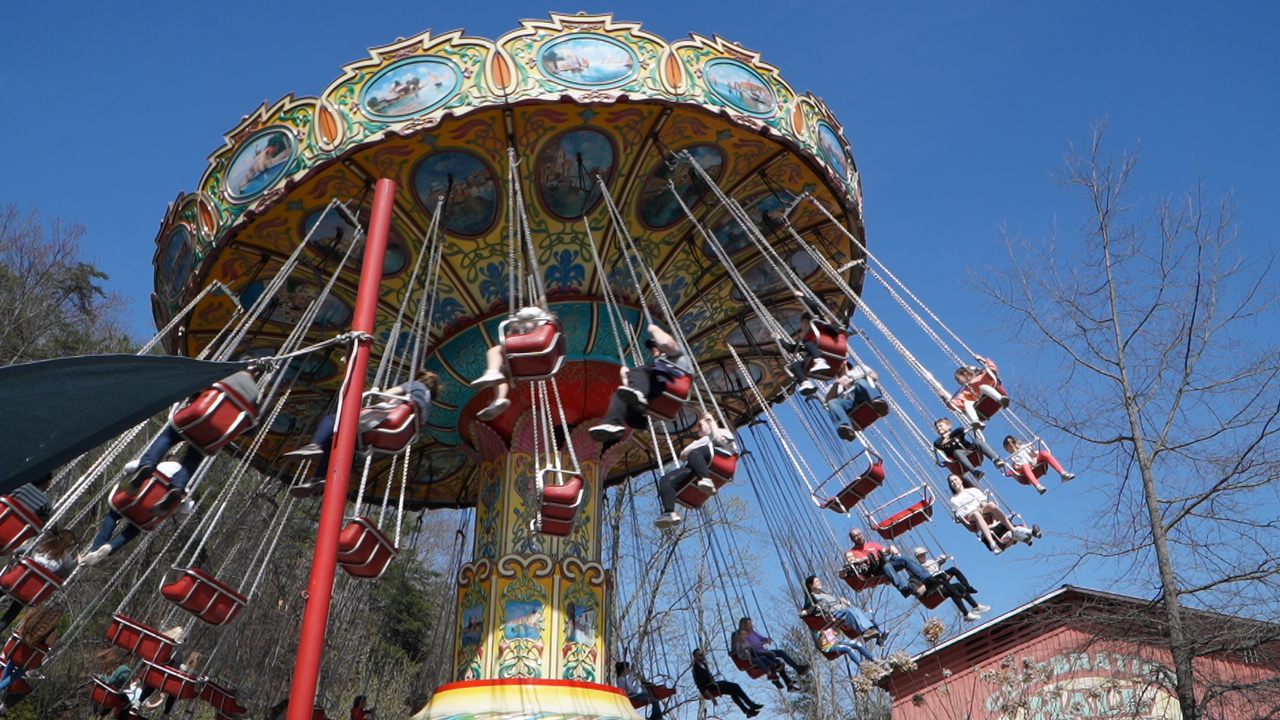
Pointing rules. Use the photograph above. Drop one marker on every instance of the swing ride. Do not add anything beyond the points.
(615, 183)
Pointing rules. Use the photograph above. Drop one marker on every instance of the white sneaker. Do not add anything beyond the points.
(668, 520)
(93, 557)
(972, 617)
(308, 450)
(488, 379)
(633, 398)
(132, 466)
(495, 408)
(807, 388)
(819, 364)
(707, 485)
(605, 432)
(1068, 477)
(982, 608)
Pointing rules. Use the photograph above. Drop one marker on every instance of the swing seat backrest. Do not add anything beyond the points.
(861, 582)
(675, 394)
(861, 488)
(535, 355)
(18, 524)
(660, 692)
(174, 682)
(751, 669)
(817, 622)
(23, 653)
(364, 551)
(30, 583)
(906, 519)
(722, 467)
(397, 431)
(137, 508)
(214, 419)
(975, 459)
(107, 696)
(833, 370)
(932, 600)
(205, 597)
(141, 640)
(863, 416)
(222, 697)
(832, 342)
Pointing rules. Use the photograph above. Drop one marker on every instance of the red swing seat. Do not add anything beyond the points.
(222, 696)
(907, 518)
(30, 583)
(397, 431)
(751, 669)
(858, 490)
(205, 597)
(141, 640)
(859, 582)
(106, 696)
(933, 599)
(18, 524)
(674, 395)
(23, 653)
(955, 468)
(722, 467)
(535, 355)
(659, 693)
(214, 419)
(137, 508)
(832, 341)
(560, 502)
(174, 682)
(364, 551)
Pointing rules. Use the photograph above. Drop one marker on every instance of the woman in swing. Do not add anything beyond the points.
(817, 601)
(749, 645)
(640, 385)
(1024, 458)
(972, 506)
(977, 382)
(526, 320)
(697, 456)
(419, 391)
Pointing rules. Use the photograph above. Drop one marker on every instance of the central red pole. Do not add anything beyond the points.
(315, 619)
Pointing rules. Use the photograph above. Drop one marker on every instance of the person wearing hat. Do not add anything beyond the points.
(960, 591)
(526, 320)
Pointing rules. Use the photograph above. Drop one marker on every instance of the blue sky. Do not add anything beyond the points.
(957, 113)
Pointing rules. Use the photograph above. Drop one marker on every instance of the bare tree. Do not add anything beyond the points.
(1158, 319)
(52, 303)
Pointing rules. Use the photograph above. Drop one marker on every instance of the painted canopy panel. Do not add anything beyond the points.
(580, 102)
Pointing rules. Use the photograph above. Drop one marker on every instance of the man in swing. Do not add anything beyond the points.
(856, 386)
(630, 401)
(868, 559)
(710, 688)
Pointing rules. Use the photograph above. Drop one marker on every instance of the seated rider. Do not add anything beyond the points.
(104, 545)
(955, 446)
(35, 496)
(972, 506)
(1024, 458)
(630, 682)
(811, 356)
(56, 553)
(818, 601)
(526, 320)
(711, 688)
(419, 391)
(856, 386)
(630, 401)
(960, 591)
(829, 641)
(975, 383)
(697, 457)
(869, 559)
(244, 384)
(749, 645)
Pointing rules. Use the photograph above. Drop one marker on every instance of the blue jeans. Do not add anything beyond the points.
(12, 673)
(894, 567)
(841, 408)
(855, 619)
(770, 659)
(852, 650)
(324, 438)
(160, 447)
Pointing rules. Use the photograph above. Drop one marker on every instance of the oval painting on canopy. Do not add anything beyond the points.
(658, 206)
(567, 168)
(472, 205)
(439, 465)
(767, 212)
(292, 301)
(833, 150)
(176, 262)
(410, 87)
(333, 234)
(259, 163)
(741, 87)
(588, 61)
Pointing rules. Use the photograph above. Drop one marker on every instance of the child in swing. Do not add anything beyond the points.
(525, 321)
(640, 385)
(1024, 458)
(977, 382)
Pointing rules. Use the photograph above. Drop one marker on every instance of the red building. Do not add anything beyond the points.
(1080, 653)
